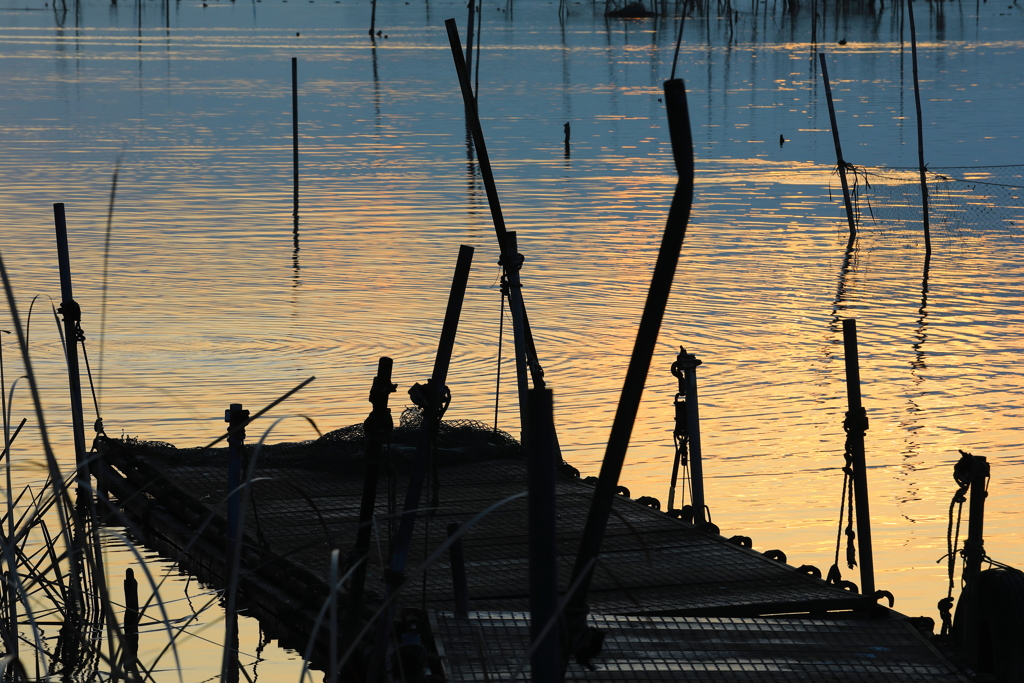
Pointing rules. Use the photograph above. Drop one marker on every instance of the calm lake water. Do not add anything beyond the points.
(214, 297)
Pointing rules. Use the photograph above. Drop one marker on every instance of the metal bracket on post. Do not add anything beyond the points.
(687, 434)
(236, 419)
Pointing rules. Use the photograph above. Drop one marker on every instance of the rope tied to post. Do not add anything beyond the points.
(962, 477)
(72, 313)
(426, 399)
(856, 423)
(512, 264)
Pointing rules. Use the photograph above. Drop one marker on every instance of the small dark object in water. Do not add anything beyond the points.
(566, 129)
(782, 140)
(634, 10)
(297, 33)
(843, 41)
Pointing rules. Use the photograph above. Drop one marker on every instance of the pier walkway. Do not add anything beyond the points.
(685, 586)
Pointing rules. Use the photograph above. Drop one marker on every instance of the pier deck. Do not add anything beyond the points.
(651, 565)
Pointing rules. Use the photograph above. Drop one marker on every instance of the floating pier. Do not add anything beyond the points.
(698, 601)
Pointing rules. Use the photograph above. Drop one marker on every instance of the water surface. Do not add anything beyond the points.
(216, 297)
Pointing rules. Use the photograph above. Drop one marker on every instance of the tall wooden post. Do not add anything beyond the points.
(920, 134)
(840, 162)
(72, 329)
(856, 424)
(640, 361)
(295, 143)
(974, 546)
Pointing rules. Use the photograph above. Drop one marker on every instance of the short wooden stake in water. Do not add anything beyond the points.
(840, 162)
(856, 424)
(542, 514)
(72, 329)
(131, 622)
(295, 141)
(920, 133)
(458, 562)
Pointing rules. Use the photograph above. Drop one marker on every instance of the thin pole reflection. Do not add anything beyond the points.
(296, 281)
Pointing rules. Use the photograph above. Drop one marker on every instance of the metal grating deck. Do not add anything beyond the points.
(650, 563)
(490, 646)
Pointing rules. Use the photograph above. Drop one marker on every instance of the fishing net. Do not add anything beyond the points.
(341, 451)
(966, 203)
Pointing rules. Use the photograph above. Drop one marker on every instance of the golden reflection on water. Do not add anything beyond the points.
(211, 304)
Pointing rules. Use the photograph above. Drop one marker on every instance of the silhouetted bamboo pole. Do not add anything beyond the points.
(295, 138)
(643, 350)
(511, 260)
(920, 132)
(840, 162)
(373, 17)
(469, 36)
